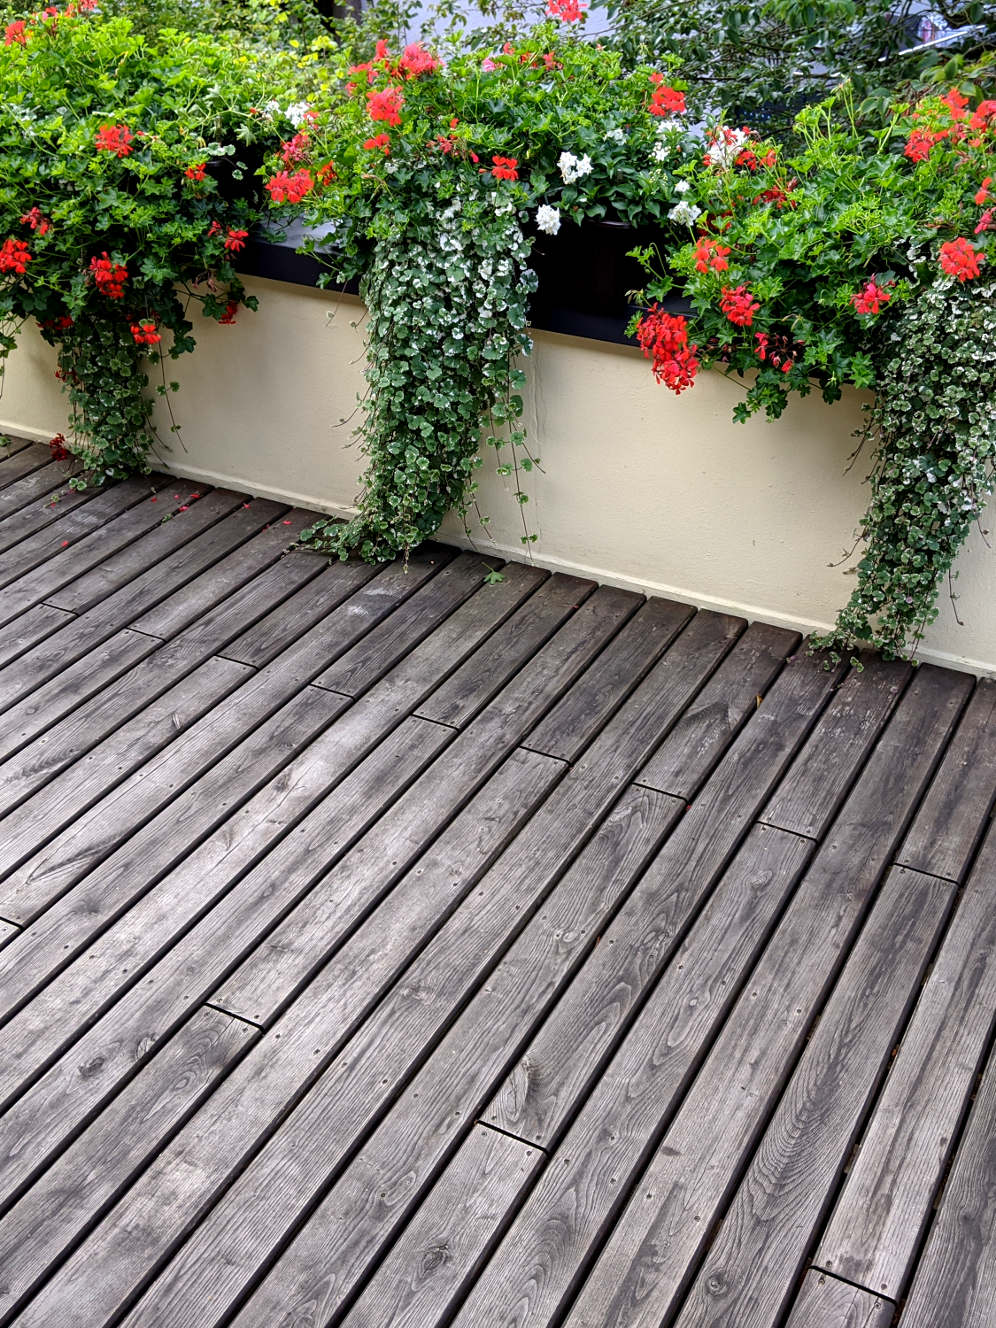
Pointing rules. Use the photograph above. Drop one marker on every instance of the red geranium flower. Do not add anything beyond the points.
(114, 138)
(416, 61)
(34, 218)
(286, 188)
(956, 104)
(984, 113)
(959, 259)
(16, 33)
(568, 11)
(228, 317)
(870, 298)
(295, 149)
(665, 100)
(326, 174)
(505, 168)
(985, 221)
(144, 333)
(983, 193)
(197, 171)
(738, 305)
(14, 256)
(664, 339)
(382, 142)
(710, 254)
(57, 446)
(236, 240)
(109, 276)
(386, 105)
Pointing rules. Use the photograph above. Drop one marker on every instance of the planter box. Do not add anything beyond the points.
(641, 489)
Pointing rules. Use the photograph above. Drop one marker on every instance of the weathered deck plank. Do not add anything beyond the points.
(881, 1216)
(824, 1302)
(383, 947)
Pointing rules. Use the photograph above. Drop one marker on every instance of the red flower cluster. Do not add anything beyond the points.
(16, 33)
(568, 11)
(710, 255)
(228, 317)
(286, 188)
(984, 116)
(295, 149)
(109, 276)
(236, 240)
(57, 446)
(985, 221)
(325, 174)
(870, 298)
(983, 193)
(56, 324)
(739, 305)
(197, 171)
(114, 138)
(959, 259)
(753, 162)
(665, 100)
(415, 61)
(386, 105)
(380, 143)
(145, 334)
(505, 168)
(14, 257)
(664, 340)
(920, 143)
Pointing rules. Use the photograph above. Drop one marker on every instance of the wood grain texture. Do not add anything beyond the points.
(887, 1200)
(250, 718)
(307, 935)
(621, 666)
(760, 1249)
(955, 1283)
(647, 1259)
(42, 800)
(18, 461)
(436, 925)
(113, 1148)
(824, 1302)
(441, 1102)
(691, 750)
(956, 810)
(594, 1014)
(441, 1249)
(514, 642)
(84, 534)
(808, 797)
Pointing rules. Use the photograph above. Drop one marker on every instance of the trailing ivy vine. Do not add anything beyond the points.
(934, 422)
(448, 294)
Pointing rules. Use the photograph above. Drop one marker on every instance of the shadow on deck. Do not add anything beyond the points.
(380, 947)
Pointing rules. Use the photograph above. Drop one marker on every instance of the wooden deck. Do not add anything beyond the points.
(382, 947)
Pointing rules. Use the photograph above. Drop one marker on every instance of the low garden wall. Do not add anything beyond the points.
(640, 488)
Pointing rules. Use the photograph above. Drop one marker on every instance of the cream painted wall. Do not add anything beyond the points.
(640, 488)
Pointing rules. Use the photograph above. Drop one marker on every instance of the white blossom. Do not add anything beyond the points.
(573, 168)
(682, 186)
(296, 113)
(684, 213)
(548, 219)
(661, 152)
(727, 147)
(615, 136)
(665, 126)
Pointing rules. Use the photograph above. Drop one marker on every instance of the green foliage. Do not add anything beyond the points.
(861, 259)
(934, 421)
(448, 293)
(434, 196)
(126, 182)
(760, 61)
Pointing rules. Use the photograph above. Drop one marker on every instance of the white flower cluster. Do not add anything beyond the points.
(296, 112)
(548, 219)
(684, 213)
(660, 152)
(573, 168)
(727, 147)
(666, 126)
(682, 186)
(615, 136)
